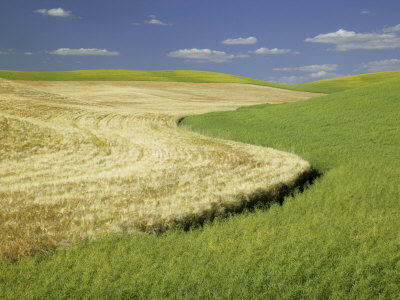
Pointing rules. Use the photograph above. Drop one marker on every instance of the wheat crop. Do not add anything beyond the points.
(80, 160)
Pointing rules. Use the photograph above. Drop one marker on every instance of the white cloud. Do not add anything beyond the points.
(349, 40)
(157, 22)
(382, 65)
(311, 68)
(288, 79)
(83, 51)
(242, 56)
(202, 55)
(294, 79)
(240, 41)
(153, 20)
(42, 11)
(392, 29)
(365, 12)
(318, 74)
(313, 72)
(54, 12)
(266, 51)
(28, 53)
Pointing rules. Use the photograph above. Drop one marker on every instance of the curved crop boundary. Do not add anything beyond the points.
(258, 199)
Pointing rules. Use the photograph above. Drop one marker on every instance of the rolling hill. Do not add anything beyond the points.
(339, 238)
(323, 86)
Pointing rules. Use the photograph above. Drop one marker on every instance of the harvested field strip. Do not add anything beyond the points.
(74, 168)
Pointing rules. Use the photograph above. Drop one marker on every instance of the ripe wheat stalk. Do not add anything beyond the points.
(75, 168)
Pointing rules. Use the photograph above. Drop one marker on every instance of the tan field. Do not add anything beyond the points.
(173, 98)
(80, 160)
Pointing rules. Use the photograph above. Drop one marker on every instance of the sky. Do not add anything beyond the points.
(287, 41)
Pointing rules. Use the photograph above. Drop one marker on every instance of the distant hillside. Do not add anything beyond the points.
(322, 86)
(133, 75)
(339, 84)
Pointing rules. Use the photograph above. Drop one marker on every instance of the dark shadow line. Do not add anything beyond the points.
(261, 199)
(258, 200)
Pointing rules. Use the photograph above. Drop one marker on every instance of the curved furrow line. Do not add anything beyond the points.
(84, 169)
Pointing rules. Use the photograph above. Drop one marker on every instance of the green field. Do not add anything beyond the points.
(347, 226)
(340, 238)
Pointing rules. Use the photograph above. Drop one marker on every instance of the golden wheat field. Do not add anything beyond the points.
(80, 160)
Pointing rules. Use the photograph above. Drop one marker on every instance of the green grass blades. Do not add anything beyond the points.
(327, 130)
(352, 212)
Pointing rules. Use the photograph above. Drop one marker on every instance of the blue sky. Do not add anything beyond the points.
(282, 41)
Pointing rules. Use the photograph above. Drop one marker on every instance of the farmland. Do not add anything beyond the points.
(339, 238)
(89, 159)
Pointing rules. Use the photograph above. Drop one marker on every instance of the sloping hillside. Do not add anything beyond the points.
(337, 239)
(341, 237)
(338, 84)
(130, 75)
(321, 86)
